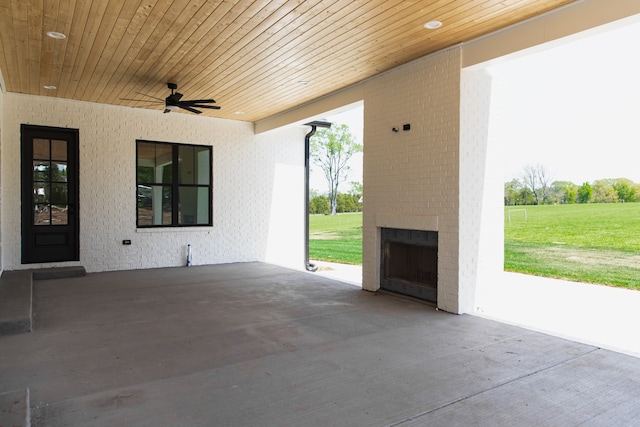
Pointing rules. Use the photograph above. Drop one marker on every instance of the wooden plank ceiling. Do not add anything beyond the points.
(259, 57)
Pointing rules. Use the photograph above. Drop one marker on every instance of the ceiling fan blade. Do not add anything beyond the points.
(211, 107)
(144, 94)
(198, 101)
(173, 100)
(138, 100)
(186, 107)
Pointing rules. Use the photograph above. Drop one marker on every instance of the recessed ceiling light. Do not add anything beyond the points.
(239, 113)
(432, 25)
(50, 87)
(303, 82)
(56, 35)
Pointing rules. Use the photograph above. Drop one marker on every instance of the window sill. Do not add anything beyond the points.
(174, 229)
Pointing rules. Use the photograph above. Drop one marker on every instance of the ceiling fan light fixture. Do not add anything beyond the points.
(432, 25)
(172, 107)
(56, 35)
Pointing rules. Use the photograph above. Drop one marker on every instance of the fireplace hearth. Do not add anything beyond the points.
(409, 263)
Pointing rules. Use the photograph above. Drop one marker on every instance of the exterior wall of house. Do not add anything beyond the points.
(411, 178)
(1, 170)
(258, 187)
(481, 186)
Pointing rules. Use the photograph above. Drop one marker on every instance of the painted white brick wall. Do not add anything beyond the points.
(481, 187)
(257, 186)
(1, 171)
(483, 211)
(412, 177)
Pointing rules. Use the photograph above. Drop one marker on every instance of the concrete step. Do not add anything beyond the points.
(16, 295)
(14, 408)
(16, 292)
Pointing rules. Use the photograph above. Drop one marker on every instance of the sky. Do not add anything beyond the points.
(575, 109)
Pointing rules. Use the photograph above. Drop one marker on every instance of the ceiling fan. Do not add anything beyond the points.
(175, 101)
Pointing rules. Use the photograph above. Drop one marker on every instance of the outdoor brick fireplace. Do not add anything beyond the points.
(409, 263)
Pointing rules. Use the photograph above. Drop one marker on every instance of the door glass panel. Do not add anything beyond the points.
(42, 214)
(40, 170)
(41, 149)
(59, 171)
(59, 194)
(50, 188)
(41, 193)
(59, 214)
(58, 150)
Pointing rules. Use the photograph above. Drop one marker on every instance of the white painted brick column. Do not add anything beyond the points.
(481, 187)
(411, 177)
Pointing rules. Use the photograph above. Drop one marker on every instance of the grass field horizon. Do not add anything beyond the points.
(593, 243)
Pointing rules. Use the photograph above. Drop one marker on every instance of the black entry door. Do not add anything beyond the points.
(50, 223)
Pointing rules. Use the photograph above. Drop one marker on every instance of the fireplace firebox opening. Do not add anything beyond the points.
(409, 263)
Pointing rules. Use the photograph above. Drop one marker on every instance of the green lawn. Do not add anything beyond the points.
(596, 243)
(336, 238)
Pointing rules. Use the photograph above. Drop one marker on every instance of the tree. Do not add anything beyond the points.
(356, 188)
(636, 192)
(538, 180)
(331, 149)
(584, 193)
(563, 192)
(625, 190)
(512, 193)
(347, 203)
(603, 192)
(319, 205)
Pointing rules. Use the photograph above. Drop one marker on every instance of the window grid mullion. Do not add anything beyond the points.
(175, 202)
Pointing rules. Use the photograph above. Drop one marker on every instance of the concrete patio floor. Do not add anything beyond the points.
(599, 315)
(254, 344)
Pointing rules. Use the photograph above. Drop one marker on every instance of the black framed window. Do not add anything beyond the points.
(173, 184)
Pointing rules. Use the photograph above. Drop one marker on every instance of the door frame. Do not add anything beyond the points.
(30, 253)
